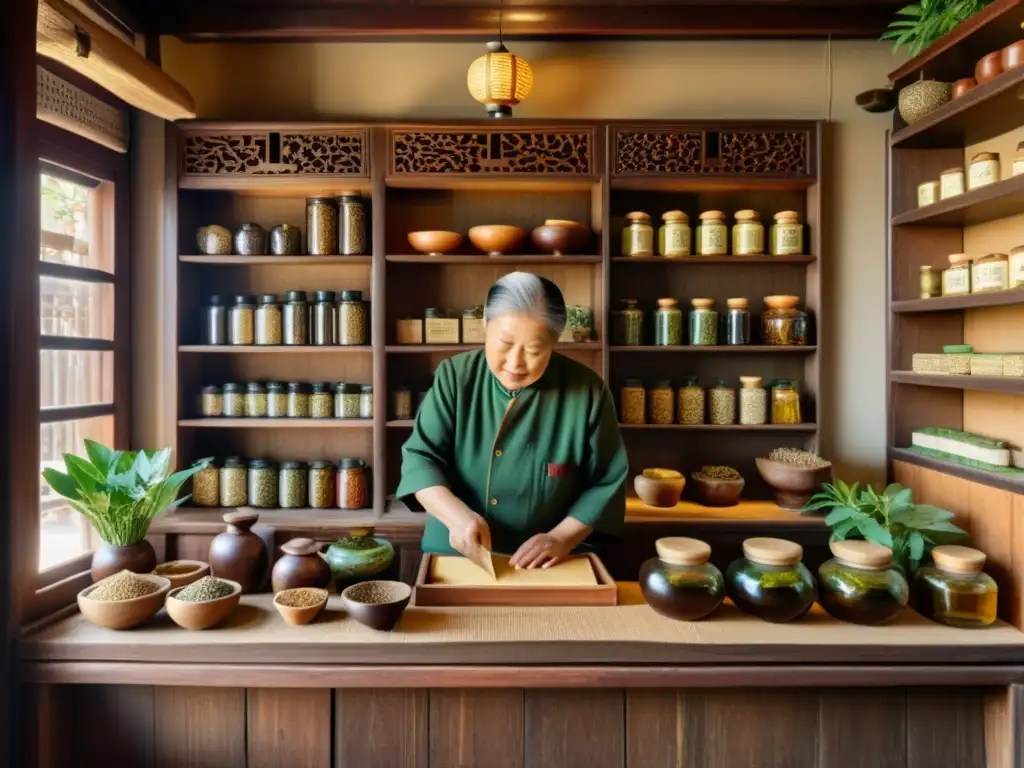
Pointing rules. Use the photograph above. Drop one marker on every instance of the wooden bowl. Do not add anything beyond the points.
(781, 302)
(793, 485)
(435, 242)
(378, 615)
(1012, 56)
(963, 85)
(659, 487)
(717, 493)
(300, 616)
(497, 239)
(920, 99)
(202, 615)
(123, 614)
(989, 67)
(185, 577)
(562, 239)
(877, 100)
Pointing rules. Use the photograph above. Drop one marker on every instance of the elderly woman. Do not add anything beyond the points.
(517, 448)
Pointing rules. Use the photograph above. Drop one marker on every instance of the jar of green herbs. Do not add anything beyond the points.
(292, 485)
(346, 401)
(668, 324)
(703, 323)
(628, 324)
(262, 484)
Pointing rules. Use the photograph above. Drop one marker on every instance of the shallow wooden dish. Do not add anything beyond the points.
(202, 615)
(380, 616)
(123, 614)
(299, 616)
(199, 570)
(435, 242)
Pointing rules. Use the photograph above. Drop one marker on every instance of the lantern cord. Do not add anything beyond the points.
(501, 8)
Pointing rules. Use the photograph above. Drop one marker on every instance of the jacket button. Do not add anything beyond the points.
(494, 502)
(498, 452)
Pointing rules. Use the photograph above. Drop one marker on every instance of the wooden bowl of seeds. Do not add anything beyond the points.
(204, 603)
(181, 573)
(124, 600)
(300, 605)
(377, 604)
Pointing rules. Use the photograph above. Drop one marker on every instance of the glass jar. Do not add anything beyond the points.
(638, 235)
(861, 585)
(321, 401)
(366, 401)
(931, 282)
(268, 320)
(674, 235)
(299, 400)
(1018, 159)
(352, 319)
(325, 322)
(473, 325)
(955, 590)
(690, 402)
(722, 403)
(321, 226)
(712, 234)
(206, 486)
(628, 328)
(782, 324)
(234, 401)
(241, 321)
(786, 403)
(956, 278)
(787, 234)
(927, 193)
(680, 583)
(255, 400)
(353, 489)
(703, 323)
(233, 482)
(291, 483)
(770, 582)
(262, 484)
(984, 170)
(321, 484)
(346, 401)
(296, 319)
(951, 183)
(634, 402)
(668, 324)
(753, 401)
(663, 402)
(216, 325)
(438, 328)
(990, 273)
(737, 322)
(212, 402)
(351, 224)
(401, 404)
(747, 234)
(277, 400)
(1017, 266)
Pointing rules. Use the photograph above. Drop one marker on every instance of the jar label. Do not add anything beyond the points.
(748, 239)
(1017, 270)
(442, 330)
(952, 185)
(789, 239)
(677, 240)
(926, 193)
(472, 330)
(956, 281)
(639, 241)
(711, 239)
(984, 172)
(992, 276)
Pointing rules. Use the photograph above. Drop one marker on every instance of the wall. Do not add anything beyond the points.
(658, 80)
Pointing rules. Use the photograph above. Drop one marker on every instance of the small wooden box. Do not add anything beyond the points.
(426, 594)
(409, 331)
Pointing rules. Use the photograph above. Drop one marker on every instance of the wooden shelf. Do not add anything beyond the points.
(494, 261)
(495, 182)
(276, 261)
(1007, 384)
(696, 261)
(991, 202)
(694, 184)
(402, 423)
(739, 349)
(262, 423)
(426, 349)
(277, 184)
(1013, 483)
(210, 519)
(746, 511)
(254, 349)
(806, 427)
(968, 301)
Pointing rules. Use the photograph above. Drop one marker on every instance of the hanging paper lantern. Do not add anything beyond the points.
(499, 79)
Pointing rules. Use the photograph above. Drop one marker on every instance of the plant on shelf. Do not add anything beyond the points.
(890, 518)
(120, 493)
(927, 21)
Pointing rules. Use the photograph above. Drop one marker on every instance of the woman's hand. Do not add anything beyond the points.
(541, 551)
(468, 533)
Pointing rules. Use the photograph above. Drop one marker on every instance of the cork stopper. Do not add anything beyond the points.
(750, 382)
(957, 559)
(787, 217)
(862, 554)
(638, 217)
(349, 193)
(300, 547)
(712, 216)
(982, 157)
(1017, 249)
(667, 303)
(767, 551)
(702, 303)
(737, 303)
(782, 302)
(235, 518)
(680, 550)
(959, 258)
(747, 215)
(675, 217)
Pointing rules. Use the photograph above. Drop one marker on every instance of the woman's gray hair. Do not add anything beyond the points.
(524, 293)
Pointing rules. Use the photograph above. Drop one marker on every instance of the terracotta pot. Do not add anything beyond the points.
(659, 487)
(1012, 56)
(717, 493)
(238, 554)
(110, 559)
(299, 616)
(989, 67)
(301, 566)
(960, 87)
(793, 485)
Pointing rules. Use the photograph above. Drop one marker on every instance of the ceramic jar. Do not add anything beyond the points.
(956, 590)
(770, 582)
(680, 583)
(359, 555)
(861, 585)
(1017, 266)
(984, 170)
(712, 234)
(787, 234)
(747, 234)
(285, 240)
(674, 235)
(920, 99)
(214, 240)
(250, 240)
(956, 279)
(638, 235)
(300, 566)
(990, 273)
(1018, 160)
(238, 554)
(930, 282)
(951, 183)
(109, 559)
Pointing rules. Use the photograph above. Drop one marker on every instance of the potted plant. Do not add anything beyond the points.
(927, 21)
(890, 518)
(120, 493)
(579, 322)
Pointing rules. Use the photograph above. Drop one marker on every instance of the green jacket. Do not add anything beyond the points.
(525, 460)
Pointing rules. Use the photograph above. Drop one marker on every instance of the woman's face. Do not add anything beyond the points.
(518, 349)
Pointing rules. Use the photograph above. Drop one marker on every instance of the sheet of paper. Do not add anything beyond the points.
(454, 570)
(483, 558)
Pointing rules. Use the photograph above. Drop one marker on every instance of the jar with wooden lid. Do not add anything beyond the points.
(438, 328)
(255, 400)
(299, 400)
(321, 226)
(747, 234)
(321, 484)
(262, 484)
(233, 482)
(786, 402)
(786, 235)
(680, 582)
(703, 323)
(638, 235)
(211, 403)
(861, 585)
(291, 484)
(234, 400)
(346, 401)
(401, 403)
(722, 403)
(242, 321)
(633, 408)
(955, 590)
(268, 320)
(984, 170)
(321, 401)
(662, 399)
(737, 322)
(473, 325)
(353, 488)
(1017, 266)
(690, 402)
(277, 400)
(296, 318)
(753, 401)
(712, 234)
(674, 235)
(770, 582)
(956, 279)
(930, 282)
(927, 193)
(951, 183)
(628, 324)
(1018, 159)
(300, 567)
(668, 323)
(206, 486)
(990, 273)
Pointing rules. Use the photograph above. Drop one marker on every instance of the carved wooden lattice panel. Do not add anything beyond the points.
(710, 152)
(658, 152)
(483, 152)
(272, 153)
(779, 152)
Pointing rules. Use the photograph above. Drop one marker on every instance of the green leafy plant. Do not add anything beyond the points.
(927, 21)
(890, 518)
(120, 492)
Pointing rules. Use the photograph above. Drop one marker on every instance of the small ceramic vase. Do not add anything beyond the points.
(238, 554)
(285, 240)
(300, 566)
(962, 86)
(358, 556)
(110, 559)
(250, 240)
(989, 67)
(214, 240)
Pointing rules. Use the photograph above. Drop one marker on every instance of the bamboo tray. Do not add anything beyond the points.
(428, 594)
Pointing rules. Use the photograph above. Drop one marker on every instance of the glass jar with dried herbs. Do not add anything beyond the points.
(255, 400)
(234, 400)
(242, 321)
(262, 484)
(321, 401)
(628, 324)
(292, 485)
(703, 323)
(634, 402)
(737, 322)
(753, 401)
(321, 484)
(352, 323)
(296, 318)
(668, 324)
(277, 400)
(353, 487)
(268, 320)
(782, 324)
(786, 402)
(206, 486)
(366, 401)
(346, 401)
(212, 402)
(401, 403)
(662, 402)
(233, 482)
(722, 403)
(299, 400)
(690, 402)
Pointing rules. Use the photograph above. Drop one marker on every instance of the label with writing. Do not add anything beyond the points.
(442, 330)
(472, 330)
(952, 184)
(956, 280)
(1017, 269)
(991, 276)
(984, 172)
(789, 239)
(677, 240)
(711, 239)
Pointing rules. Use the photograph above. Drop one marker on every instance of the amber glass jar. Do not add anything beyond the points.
(712, 234)
(782, 324)
(747, 234)
(662, 399)
(638, 235)
(861, 585)
(770, 582)
(786, 403)
(786, 237)
(628, 324)
(690, 400)
(680, 583)
(674, 235)
(353, 488)
(634, 400)
(955, 590)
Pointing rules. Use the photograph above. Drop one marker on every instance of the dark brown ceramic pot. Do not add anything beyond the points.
(110, 559)
(962, 86)
(301, 566)
(238, 554)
